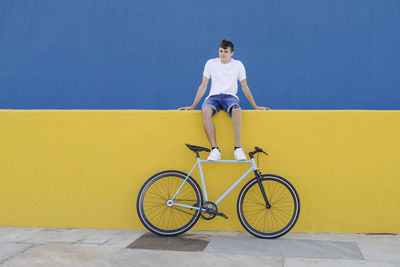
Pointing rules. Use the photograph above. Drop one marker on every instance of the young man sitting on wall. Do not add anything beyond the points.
(224, 73)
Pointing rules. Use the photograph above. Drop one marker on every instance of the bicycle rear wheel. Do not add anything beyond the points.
(271, 222)
(163, 219)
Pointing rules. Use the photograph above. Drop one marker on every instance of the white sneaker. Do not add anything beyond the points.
(239, 154)
(215, 154)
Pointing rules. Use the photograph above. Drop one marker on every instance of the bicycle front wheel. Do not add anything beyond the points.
(273, 221)
(161, 217)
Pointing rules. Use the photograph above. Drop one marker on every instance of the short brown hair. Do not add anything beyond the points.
(225, 44)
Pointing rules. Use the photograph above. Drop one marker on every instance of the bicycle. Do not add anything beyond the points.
(171, 202)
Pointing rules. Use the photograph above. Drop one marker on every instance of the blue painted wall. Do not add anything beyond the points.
(124, 54)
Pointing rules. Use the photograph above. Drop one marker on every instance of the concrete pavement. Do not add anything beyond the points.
(105, 247)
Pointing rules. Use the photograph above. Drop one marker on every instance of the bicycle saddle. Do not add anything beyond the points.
(197, 149)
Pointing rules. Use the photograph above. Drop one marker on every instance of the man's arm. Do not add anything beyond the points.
(200, 92)
(247, 93)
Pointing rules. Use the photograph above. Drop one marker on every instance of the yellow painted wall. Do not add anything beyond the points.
(85, 168)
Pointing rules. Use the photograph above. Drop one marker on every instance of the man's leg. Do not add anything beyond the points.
(237, 125)
(208, 125)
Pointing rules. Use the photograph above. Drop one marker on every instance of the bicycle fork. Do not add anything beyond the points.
(258, 177)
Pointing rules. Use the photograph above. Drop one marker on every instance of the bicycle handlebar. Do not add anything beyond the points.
(257, 150)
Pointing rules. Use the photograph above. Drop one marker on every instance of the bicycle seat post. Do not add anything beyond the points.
(197, 149)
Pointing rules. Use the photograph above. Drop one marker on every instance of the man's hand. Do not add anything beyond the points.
(185, 108)
(262, 108)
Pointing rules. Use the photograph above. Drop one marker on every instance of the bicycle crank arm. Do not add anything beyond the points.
(218, 214)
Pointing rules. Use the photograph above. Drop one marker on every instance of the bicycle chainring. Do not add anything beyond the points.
(210, 211)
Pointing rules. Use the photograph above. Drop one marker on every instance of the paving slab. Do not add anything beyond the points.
(224, 233)
(71, 235)
(19, 235)
(175, 243)
(379, 238)
(123, 238)
(61, 255)
(46, 235)
(99, 236)
(285, 247)
(9, 250)
(151, 258)
(301, 262)
(7, 230)
(380, 251)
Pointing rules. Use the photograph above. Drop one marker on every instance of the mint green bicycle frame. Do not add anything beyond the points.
(198, 163)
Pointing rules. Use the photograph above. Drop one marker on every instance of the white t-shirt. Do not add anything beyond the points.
(224, 77)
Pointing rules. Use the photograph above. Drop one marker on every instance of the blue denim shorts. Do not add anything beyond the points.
(222, 101)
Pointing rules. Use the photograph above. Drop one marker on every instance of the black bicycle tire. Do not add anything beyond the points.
(143, 190)
(287, 227)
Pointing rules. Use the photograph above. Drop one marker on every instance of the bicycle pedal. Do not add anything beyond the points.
(223, 215)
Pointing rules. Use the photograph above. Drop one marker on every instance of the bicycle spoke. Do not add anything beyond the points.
(175, 208)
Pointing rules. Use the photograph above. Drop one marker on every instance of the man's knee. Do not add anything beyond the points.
(207, 112)
(236, 110)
